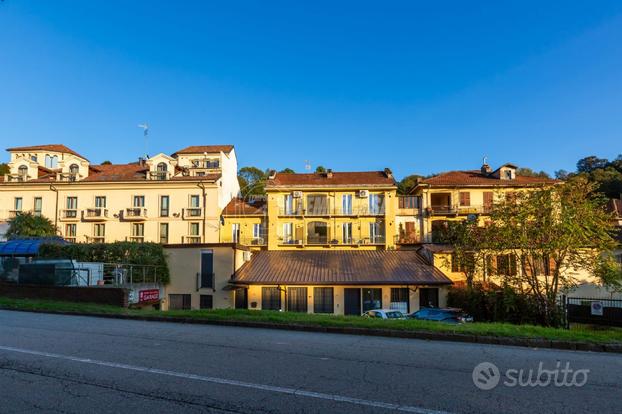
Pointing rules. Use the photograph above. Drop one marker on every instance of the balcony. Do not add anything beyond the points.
(442, 210)
(15, 213)
(95, 239)
(327, 211)
(136, 239)
(292, 211)
(453, 210)
(95, 214)
(192, 213)
(159, 175)
(250, 241)
(134, 214)
(289, 241)
(69, 214)
(407, 239)
(317, 240)
(191, 239)
(17, 178)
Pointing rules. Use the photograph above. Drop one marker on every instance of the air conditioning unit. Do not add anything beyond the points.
(363, 193)
(297, 194)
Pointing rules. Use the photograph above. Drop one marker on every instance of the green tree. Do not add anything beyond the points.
(106, 162)
(4, 168)
(252, 181)
(407, 183)
(29, 225)
(320, 169)
(528, 172)
(591, 163)
(287, 171)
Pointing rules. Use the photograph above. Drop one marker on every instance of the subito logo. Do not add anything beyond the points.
(486, 376)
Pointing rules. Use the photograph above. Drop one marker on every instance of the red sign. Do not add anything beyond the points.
(148, 295)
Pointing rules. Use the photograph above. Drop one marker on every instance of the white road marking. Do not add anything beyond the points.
(224, 381)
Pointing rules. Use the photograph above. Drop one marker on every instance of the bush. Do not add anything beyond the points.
(151, 254)
(487, 304)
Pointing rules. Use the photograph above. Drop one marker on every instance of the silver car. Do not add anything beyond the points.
(384, 314)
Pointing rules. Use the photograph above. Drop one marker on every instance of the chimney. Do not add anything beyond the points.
(486, 169)
(388, 173)
(329, 173)
(271, 174)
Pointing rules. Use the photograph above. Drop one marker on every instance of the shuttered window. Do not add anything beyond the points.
(400, 300)
(323, 300)
(270, 298)
(207, 302)
(297, 299)
(179, 301)
(465, 198)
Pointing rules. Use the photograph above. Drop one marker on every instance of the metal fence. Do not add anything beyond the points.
(595, 311)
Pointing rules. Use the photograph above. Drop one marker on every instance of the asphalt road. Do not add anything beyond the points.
(68, 364)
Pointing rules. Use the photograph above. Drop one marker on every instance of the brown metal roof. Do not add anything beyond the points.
(476, 178)
(369, 267)
(360, 178)
(200, 149)
(47, 147)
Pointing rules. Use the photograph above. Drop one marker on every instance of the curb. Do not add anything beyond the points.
(537, 343)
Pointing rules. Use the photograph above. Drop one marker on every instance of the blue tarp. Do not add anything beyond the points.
(26, 247)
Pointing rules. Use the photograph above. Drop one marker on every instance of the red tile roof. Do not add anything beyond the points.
(47, 147)
(477, 179)
(373, 267)
(200, 149)
(359, 179)
(240, 207)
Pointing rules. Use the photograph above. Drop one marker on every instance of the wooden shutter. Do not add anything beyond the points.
(488, 199)
(465, 198)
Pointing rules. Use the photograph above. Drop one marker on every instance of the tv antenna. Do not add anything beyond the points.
(145, 127)
(307, 165)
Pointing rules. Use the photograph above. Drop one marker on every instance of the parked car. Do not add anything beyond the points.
(384, 314)
(446, 315)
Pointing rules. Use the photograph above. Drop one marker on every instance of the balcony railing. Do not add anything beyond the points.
(158, 175)
(15, 213)
(95, 239)
(191, 239)
(192, 213)
(17, 178)
(94, 214)
(137, 239)
(69, 214)
(408, 239)
(438, 210)
(70, 239)
(336, 211)
(134, 213)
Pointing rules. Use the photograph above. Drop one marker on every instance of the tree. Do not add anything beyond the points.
(29, 225)
(591, 163)
(4, 168)
(528, 172)
(252, 181)
(562, 175)
(106, 162)
(407, 183)
(465, 238)
(320, 169)
(287, 171)
(549, 234)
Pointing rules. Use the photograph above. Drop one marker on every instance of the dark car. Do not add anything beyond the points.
(446, 315)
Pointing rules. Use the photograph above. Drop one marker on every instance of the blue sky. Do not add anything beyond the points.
(421, 87)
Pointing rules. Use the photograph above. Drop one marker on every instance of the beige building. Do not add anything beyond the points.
(166, 199)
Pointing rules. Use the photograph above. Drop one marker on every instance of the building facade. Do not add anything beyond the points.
(166, 199)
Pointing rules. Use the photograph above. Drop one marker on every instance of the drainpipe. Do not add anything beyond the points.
(202, 187)
(53, 188)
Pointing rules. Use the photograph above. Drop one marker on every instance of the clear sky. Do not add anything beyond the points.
(418, 86)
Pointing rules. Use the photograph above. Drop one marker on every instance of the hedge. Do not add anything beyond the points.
(151, 254)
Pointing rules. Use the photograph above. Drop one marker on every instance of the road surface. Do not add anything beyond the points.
(71, 364)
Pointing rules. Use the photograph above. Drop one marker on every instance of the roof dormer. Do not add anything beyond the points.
(505, 172)
(161, 167)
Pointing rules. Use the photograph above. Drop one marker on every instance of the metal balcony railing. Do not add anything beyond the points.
(192, 212)
(134, 213)
(96, 213)
(191, 239)
(95, 239)
(69, 214)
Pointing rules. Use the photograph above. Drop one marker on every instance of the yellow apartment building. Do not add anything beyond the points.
(317, 211)
(174, 198)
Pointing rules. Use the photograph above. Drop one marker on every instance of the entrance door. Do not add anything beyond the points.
(352, 301)
(428, 298)
(297, 299)
(241, 298)
(372, 299)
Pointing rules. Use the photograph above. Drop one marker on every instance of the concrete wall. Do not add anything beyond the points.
(100, 295)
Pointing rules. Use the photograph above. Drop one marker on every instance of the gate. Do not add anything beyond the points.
(595, 311)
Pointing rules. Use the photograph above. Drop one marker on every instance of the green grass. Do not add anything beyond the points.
(579, 333)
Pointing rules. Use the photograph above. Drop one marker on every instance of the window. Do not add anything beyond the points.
(372, 299)
(259, 233)
(488, 195)
(288, 204)
(72, 207)
(506, 265)
(465, 198)
(164, 233)
(194, 201)
(317, 232)
(38, 206)
(317, 204)
(206, 302)
(195, 228)
(51, 161)
(270, 298)
(17, 204)
(164, 206)
(288, 232)
(161, 171)
(408, 202)
(138, 230)
(508, 174)
(33, 157)
(99, 230)
(346, 204)
(400, 300)
(207, 269)
(346, 233)
(235, 232)
(323, 300)
(70, 230)
(22, 171)
(466, 264)
(376, 204)
(297, 299)
(74, 169)
(100, 201)
(179, 301)
(139, 201)
(376, 232)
